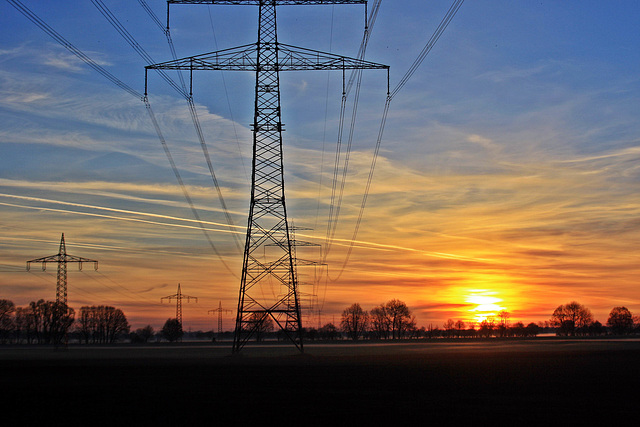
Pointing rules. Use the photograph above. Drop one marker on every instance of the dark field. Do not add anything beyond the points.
(529, 382)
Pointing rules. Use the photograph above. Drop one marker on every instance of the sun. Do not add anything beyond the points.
(485, 302)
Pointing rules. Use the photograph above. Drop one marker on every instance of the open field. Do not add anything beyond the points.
(530, 382)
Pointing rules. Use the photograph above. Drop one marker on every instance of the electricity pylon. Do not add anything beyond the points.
(62, 258)
(179, 296)
(264, 265)
(220, 310)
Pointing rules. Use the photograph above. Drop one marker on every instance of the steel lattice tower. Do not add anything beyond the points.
(179, 296)
(269, 253)
(220, 310)
(62, 258)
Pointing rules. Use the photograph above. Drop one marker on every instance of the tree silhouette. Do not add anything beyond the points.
(379, 322)
(532, 330)
(328, 332)
(101, 324)
(486, 327)
(503, 323)
(449, 327)
(172, 330)
(571, 318)
(260, 323)
(392, 319)
(620, 320)
(7, 309)
(355, 321)
(145, 333)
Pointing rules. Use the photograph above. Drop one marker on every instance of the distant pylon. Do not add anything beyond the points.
(219, 310)
(179, 297)
(62, 258)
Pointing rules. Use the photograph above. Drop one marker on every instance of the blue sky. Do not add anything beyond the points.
(508, 168)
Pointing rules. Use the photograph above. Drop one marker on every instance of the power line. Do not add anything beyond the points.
(68, 45)
(427, 48)
(126, 35)
(355, 76)
(189, 98)
(425, 51)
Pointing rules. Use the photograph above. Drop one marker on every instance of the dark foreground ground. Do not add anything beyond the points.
(533, 382)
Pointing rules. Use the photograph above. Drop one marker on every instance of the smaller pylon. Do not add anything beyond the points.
(62, 258)
(219, 310)
(179, 297)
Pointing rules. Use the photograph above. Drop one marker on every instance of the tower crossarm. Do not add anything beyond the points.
(290, 58)
(178, 296)
(258, 2)
(61, 258)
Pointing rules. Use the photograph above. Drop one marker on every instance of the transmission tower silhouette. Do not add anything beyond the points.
(219, 310)
(62, 258)
(179, 296)
(268, 254)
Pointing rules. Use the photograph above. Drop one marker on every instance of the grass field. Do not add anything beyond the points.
(493, 382)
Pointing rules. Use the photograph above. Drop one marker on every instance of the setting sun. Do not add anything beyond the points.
(486, 304)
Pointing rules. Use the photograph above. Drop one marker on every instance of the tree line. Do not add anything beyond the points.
(575, 319)
(394, 320)
(49, 322)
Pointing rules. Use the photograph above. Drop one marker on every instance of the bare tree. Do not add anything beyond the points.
(101, 324)
(145, 333)
(449, 327)
(379, 322)
(392, 319)
(620, 320)
(486, 327)
(571, 318)
(260, 323)
(49, 321)
(532, 330)
(328, 332)
(459, 328)
(172, 330)
(7, 325)
(503, 322)
(355, 321)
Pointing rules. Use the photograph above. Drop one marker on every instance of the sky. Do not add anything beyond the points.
(507, 178)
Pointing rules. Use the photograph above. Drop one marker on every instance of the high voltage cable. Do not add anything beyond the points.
(182, 185)
(65, 43)
(226, 93)
(69, 46)
(183, 91)
(153, 16)
(416, 64)
(194, 119)
(115, 23)
(355, 76)
(324, 130)
(427, 48)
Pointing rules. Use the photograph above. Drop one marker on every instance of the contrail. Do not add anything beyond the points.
(339, 242)
(106, 247)
(81, 205)
(120, 218)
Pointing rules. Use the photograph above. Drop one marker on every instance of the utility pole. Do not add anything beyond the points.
(62, 258)
(179, 296)
(219, 310)
(268, 254)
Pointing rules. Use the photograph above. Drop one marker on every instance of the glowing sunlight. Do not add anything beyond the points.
(486, 304)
